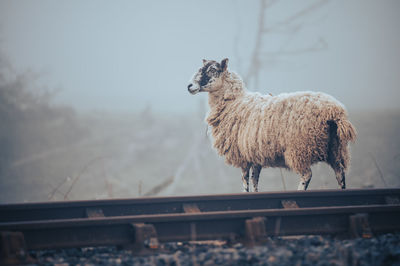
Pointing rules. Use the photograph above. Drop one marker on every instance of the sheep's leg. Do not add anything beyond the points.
(255, 174)
(338, 156)
(305, 180)
(245, 177)
(340, 177)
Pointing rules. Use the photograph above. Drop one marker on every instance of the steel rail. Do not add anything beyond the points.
(202, 203)
(203, 226)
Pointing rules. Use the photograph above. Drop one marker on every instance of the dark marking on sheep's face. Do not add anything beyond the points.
(207, 76)
(208, 72)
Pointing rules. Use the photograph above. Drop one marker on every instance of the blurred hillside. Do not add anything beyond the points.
(31, 129)
(54, 153)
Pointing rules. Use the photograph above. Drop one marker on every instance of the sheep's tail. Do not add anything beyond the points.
(345, 130)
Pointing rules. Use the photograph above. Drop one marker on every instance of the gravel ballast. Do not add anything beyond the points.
(307, 250)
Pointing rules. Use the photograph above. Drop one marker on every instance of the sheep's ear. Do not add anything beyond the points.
(204, 62)
(224, 64)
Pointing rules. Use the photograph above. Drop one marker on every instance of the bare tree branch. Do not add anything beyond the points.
(283, 180)
(160, 187)
(57, 189)
(83, 170)
(291, 26)
(378, 168)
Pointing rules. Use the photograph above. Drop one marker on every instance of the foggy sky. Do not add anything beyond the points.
(126, 55)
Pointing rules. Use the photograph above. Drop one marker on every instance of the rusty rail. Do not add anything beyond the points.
(201, 226)
(248, 217)
(204, 203)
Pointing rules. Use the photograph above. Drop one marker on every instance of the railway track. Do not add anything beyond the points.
(141, 224)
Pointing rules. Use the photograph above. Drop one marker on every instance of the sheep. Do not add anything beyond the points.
(290, 130)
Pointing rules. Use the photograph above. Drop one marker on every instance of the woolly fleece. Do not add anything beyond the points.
(290, 130)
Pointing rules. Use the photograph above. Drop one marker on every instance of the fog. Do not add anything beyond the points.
(94, 100)
(125, 55)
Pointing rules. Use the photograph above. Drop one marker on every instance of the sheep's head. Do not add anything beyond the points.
(209, 78)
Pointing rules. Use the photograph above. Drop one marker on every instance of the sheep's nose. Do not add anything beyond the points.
(189, 86)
